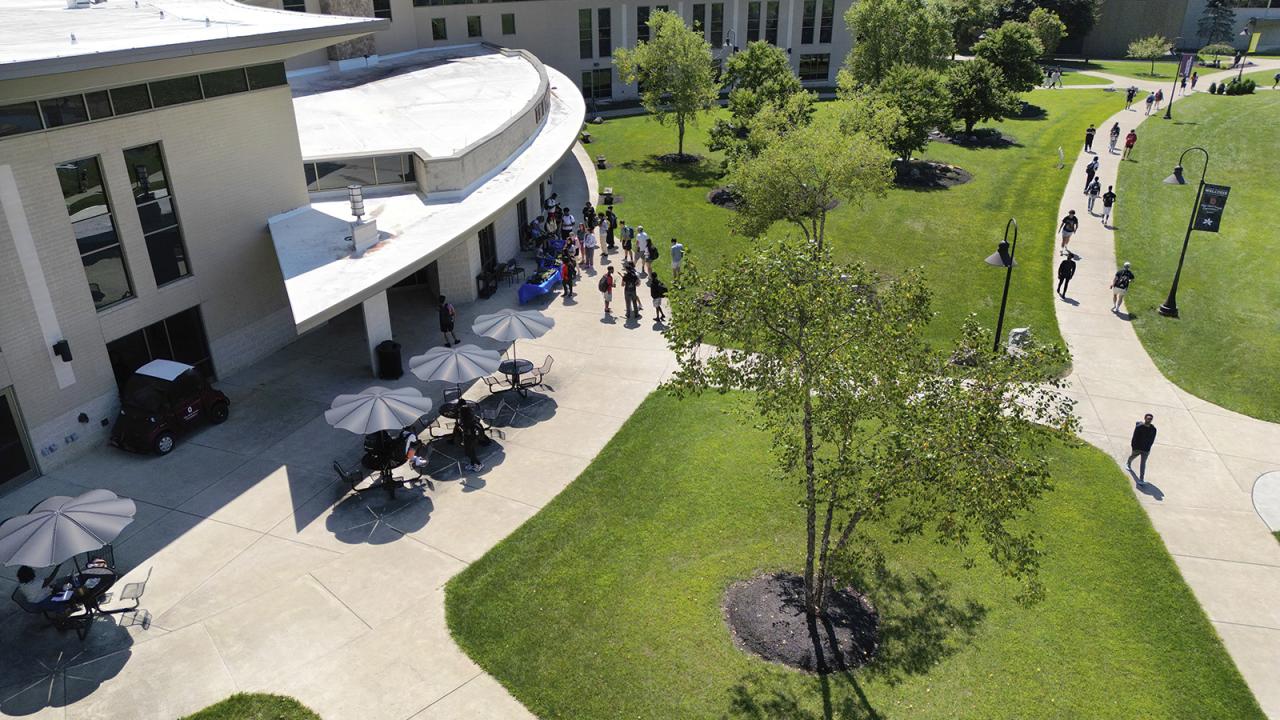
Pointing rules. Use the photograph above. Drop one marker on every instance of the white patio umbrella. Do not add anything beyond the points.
(509, 325)
(458, 364)
(377, 408)
(61, 527)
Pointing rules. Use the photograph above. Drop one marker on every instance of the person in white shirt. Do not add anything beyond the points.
(30, 586)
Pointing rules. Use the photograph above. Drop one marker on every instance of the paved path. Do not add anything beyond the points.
(1206, 459)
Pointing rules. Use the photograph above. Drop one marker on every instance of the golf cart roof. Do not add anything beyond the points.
(163, 369)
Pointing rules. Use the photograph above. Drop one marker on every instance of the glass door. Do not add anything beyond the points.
(16, 461)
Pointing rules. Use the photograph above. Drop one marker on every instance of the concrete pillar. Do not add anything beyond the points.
(458, 269)
(377, 325)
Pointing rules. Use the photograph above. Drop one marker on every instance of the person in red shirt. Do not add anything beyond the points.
(606, 289)
(1129, 141)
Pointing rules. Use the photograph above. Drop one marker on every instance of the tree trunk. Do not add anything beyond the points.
(968, 126)
(680, 144)
(812, 592)
(823, 553)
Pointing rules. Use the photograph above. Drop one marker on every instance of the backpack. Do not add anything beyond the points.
(653, 253)
(604, 283)
(1122, 281)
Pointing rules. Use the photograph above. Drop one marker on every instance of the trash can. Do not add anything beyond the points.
(389, 365)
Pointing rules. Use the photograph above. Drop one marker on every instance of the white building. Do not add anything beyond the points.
(166, 191)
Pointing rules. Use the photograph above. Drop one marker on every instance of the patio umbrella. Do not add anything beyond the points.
(377, 408)
(509, 325)
(458, 364)
(61, 527)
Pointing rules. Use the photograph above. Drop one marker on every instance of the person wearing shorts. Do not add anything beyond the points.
(446, 322)
(1108, 202)
(677, 257)
(1068, 227)
(1120, 286)
(606, 289)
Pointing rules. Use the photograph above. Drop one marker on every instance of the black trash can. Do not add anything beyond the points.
(389, 365)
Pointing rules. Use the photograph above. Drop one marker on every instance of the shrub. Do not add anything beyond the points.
(1213, 88)
(1222, 89)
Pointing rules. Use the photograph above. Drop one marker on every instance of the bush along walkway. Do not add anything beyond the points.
(1206, 459)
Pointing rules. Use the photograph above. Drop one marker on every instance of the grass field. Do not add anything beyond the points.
(948, 232)
(1225, 347)
(255, 706)
(1264, 78)
(1139, 69)
(1075, 78)
(607, 603)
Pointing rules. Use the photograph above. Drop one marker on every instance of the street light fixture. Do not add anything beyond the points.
(1168, 109)
(1003, 257)
(1244, 34)
(1170, 306)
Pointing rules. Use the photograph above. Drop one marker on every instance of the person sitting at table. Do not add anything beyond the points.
(32, 589)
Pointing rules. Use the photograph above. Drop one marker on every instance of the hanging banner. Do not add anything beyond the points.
(1186, 64)
(1253, 42)
(1212, 202)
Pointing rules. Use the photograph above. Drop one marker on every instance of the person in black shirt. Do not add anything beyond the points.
(1120, 286)
(1068, 227)
(1108, 200)
(630, 285)
(1066, 271)
(1088, 138)
(1144, 436)
(446, 322)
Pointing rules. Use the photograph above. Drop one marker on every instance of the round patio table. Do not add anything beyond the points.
(514, 369)
(450, 409)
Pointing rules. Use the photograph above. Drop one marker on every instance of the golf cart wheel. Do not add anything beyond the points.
(165, 443)
(218, 413)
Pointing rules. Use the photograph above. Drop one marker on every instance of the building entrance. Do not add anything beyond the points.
(16, 461)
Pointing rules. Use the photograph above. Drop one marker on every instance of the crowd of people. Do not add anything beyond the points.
(569, 244)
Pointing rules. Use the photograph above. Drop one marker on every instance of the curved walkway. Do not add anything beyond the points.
(1206, 459)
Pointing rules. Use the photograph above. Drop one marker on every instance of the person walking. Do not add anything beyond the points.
(1108, 202)
(642, 241)
(1066, 271)
(1129, 141)
(1090, 171)
(677, 257)
(1129, 95)
(1184, 84)
(1088, 138)
(1195, 76)
(1159, 98)
(1057, 78)
(1068, 227)
(1144, 436)
(606, 289)
(447, 314)
(1115, 137)
(1151, 98)
(630, 284)
(657, 291)
(648, 254)
(628, 235)
(1095, 189)
(1120, 286)
(1276, 81)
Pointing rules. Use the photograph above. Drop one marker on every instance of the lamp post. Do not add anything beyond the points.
(1168, 109)
(1170, 306)
(1244, 34)
(1003, 257)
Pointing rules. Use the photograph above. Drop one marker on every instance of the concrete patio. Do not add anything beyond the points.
(268, 574)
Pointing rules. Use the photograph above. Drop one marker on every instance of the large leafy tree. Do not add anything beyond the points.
(1014, 48)
(1048, 27)
(976, 92)
(800, 175)
(674, 71)
(884, 437)
(1217, 22)
(969, 19)
(1078, 15)
(900, 111)
(1152, 47)
(759, 78)
(893, 32)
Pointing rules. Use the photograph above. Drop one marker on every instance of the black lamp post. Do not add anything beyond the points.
(1003, 257)
(1170, 306)
(1168, 109)
(1244, 34)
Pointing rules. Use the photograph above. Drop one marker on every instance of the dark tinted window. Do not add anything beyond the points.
(130, 99)
(81, 183)
(108, 277)
(438, 29)
(146, 172)
(157, 215)
(265, 76)
(508, 23)
(226, 82)
(64, 111)
(382, 9)
(20, 118)
(99, 104)
(149, 181)
(168, 257)
(175, 91)
(473, 26)
(309, 170)
(390, 169)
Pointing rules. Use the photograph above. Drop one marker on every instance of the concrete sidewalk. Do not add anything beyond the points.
(1206, 459)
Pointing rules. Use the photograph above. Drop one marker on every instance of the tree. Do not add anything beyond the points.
(1218, 22)
(1078, 15)
(674, 69)
(886, 438)
(1048, 28)
(969, 18)
(893, 32)
(976, 93)
(1150, 48)
(1014, 48)
(900, 111)
(759, 77)
(1215, 51)
(799, 176)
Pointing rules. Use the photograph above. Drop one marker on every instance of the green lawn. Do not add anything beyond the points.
(1139, 69)
(255, 706)
(1225, 347)
(607, 603)
(1264, 78)
(1075, 78)
(948, 232)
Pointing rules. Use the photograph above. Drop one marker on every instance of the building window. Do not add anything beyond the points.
(224, 82)
(295, 5)
(828, 19)
(64, 111)
(338, 173)
(597, 84)
(382, 9)
(156, 210)
(488, 248)
(717, 25)
(604, 32)
(815, 67)
(131, 99)
(473, 26)
(179, 337)
(700, 18)
(508, 23)
(753, 21)
(808, 21)
(642, 23)
(438, 30)
(584, 33)
(99, 104)
(175, 91)
(265, 76)
(771, 22)
(522, 219)
(88, 209)
(20, 118)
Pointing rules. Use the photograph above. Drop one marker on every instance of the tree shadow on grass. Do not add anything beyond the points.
(702, 174)
(921, 624)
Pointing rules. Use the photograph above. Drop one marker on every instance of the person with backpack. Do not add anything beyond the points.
(1120, 286)
(1066, 271)
(1108, 202)
(1151, 98)
(641, 242)
(1095, 189)
(609, 228)
(1159, 98)
(1115, 137)
(606, 289)
(1089, 171)
(657, 291)
(648, 255)
(630, 285)
(628, 237)
(447, 314)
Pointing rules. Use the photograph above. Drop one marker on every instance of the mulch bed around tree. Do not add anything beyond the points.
(766, 616)
(929, 175)
(980, 138)
(723, 197)
(680, 158)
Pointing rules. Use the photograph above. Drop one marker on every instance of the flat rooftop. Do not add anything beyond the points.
(36, 35)
(437, 102)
